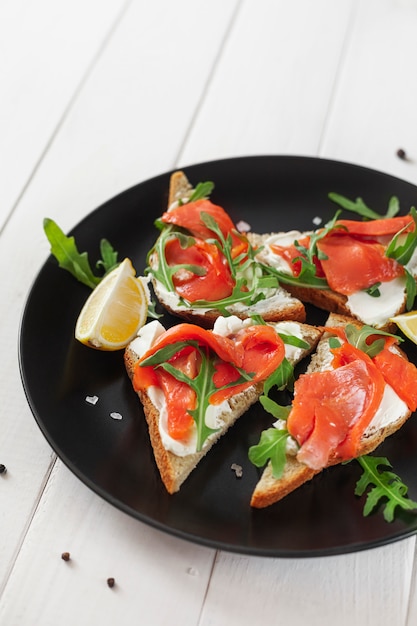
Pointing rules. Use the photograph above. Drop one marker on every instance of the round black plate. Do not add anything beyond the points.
(114, 457)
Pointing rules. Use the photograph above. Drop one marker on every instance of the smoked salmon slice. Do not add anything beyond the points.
(377, 228)
(332, 408)
(351, 264)
(214, 282)
(400, 374)
(188, 216)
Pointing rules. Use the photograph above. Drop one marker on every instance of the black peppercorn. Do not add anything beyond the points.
(401, 154)
(3, 468)
(110, 582)
(65, 556)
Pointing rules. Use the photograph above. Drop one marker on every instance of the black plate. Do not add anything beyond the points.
(114, 458)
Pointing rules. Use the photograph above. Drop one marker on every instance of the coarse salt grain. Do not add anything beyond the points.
(116, 416)
(192, 571)
(91, 399)
(243, 227)
(237, 470)
(317, 220)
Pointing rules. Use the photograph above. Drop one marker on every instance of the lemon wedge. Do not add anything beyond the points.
(407, 322)
(115, 310)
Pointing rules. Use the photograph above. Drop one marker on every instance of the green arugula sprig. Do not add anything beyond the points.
(202, 384)
(65, 251)
(271, 447)
(273, 441)
(358, 337)
(383, 485)
(202, 191)
(359, 207)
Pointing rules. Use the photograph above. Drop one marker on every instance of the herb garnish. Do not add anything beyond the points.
(384, 484)
(65, 251)
(271, 447)
(358, 206)
(202, 191)
(203, 384)
(358, 337)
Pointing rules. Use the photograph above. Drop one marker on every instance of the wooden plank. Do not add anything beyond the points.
(42, 65)
(272, 90)
(153, 572)
(360, 588)
(373, 112)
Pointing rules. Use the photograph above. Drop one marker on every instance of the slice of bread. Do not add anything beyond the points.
(279, 305)
(325, 299)
(269, 490)
(175, 469)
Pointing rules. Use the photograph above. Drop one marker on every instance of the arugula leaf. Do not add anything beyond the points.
(282, 378)
(357, 337)
(66, 253)
(334, 343)
(276, 410)
(383, 484)
(109, 256)
(373, 290)
(201, 191)
(402, 247)
(358, 206)
(292, 340)
(308, 279)
(271, 446)
(410, 289)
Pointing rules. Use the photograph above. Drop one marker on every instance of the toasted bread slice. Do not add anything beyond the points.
(175, 469)
(269, 490)
(329, 300)
(281, 305)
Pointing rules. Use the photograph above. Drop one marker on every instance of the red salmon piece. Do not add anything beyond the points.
(188, 216)
(216, 283)
(400, 374)
(351, 265)
(377, 228)
(332, 409)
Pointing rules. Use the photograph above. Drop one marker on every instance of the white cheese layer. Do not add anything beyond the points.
(375, 311)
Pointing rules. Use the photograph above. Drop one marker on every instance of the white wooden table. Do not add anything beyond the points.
(96, 96)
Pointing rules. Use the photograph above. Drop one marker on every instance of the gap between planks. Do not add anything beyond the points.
(72, 100)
